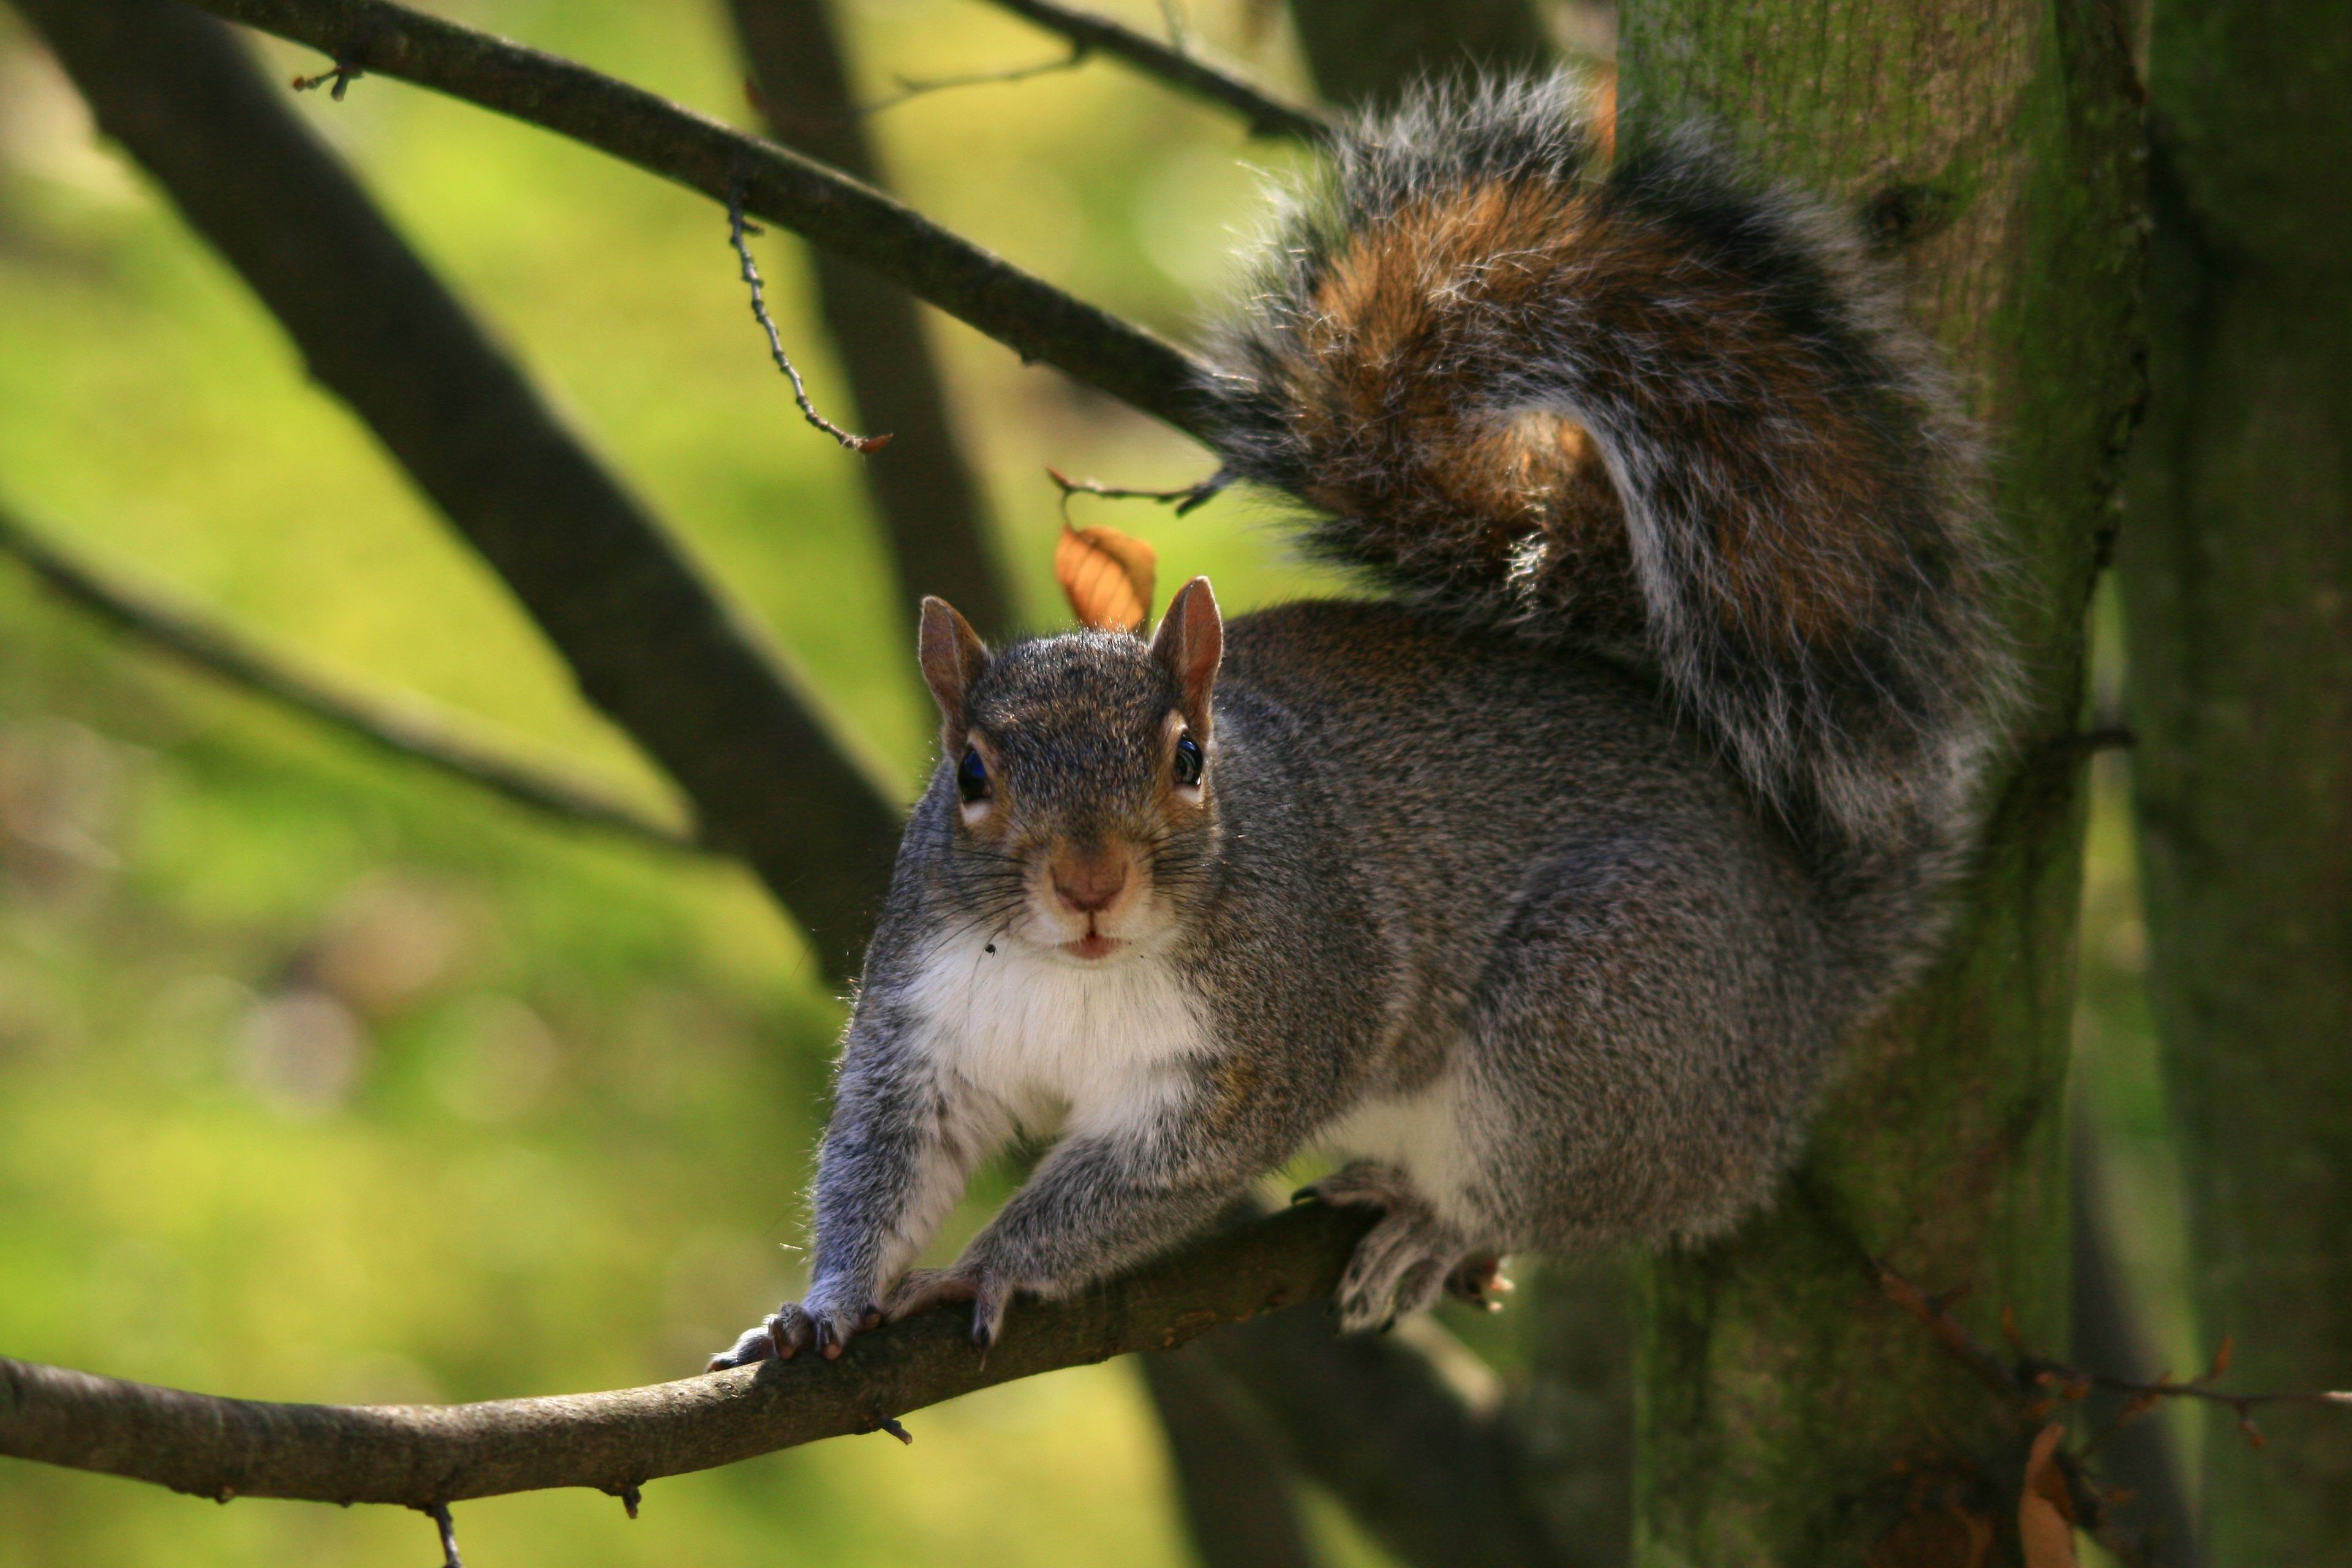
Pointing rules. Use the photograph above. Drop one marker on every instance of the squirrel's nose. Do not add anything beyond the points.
(1090, 883)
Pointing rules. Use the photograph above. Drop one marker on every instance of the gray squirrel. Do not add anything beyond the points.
(1542, 887)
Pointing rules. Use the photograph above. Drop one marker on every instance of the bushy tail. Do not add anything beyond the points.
(1657, 408)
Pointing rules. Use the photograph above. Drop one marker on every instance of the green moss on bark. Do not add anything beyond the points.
(1787, 1412)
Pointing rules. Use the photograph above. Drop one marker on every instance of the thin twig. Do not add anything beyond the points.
(438, 1513)
(1029, 315)
(411, 730)
(915, 87)
(649, 640)
(933, 513)
(737, 230)
(1934, 1313)
(2147, 1395)
(2031, 1382)
(1267, 114)
(1186, 497)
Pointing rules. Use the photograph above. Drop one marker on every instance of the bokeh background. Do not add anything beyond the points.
(324, 1077)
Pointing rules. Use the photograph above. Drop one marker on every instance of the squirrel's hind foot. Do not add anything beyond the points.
(1406, 1261)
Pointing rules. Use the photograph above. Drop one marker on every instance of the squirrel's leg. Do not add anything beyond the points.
(1634, 1062)
(897, 1152)
(1097, 1204)
(1643, 1043)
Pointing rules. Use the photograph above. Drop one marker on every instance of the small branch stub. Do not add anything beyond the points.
(439, 1514)
(339, 80)
(737, 232)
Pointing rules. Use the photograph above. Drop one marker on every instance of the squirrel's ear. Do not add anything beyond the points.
(1191, 642)
(953, 657)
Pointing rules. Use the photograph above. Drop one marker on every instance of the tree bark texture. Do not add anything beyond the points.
(1786, 1413)
(928, 501)
(2236, 566)
(648, 639)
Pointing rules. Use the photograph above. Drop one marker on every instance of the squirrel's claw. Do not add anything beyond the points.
(793, 1327)
(753, 1346)
(1475, 1278)
(758, 1343)
(924, 1288)
(1408, 1259)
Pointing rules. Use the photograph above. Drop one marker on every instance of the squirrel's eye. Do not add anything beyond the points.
(1187, 760)
(971, 776)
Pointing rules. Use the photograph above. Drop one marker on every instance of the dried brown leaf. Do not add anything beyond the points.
(1108, 576)
(1604, 109)
(2046, 1512)
(2221, 1359)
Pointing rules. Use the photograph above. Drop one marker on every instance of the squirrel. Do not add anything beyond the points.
(1543, 886)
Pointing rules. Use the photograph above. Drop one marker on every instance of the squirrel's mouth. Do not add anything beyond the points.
(1094, 944)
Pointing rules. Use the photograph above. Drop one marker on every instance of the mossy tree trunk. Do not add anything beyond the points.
(1787, 1414)
(2237, 578)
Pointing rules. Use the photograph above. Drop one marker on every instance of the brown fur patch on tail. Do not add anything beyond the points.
(1389, 382)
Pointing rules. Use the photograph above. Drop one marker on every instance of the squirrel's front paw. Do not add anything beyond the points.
(984, 1287)
(818, 1323)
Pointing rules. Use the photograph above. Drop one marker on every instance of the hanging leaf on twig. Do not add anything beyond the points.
(1108, 577)
(2046, 1513)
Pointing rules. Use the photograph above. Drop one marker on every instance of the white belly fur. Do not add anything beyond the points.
(1056, 1042)
(1418, 1133)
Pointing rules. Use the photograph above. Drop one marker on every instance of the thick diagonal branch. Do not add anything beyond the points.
(929, 503)
(1267, 114)
(407, 730)
(649, 641)
(1025, 313)
(418, 1455)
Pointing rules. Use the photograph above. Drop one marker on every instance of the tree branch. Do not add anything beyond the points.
(409, 729)
(1363, 52)
(1437, 1478)
(931, 508)
(422, 1455)
(648, 639)
(1266, 115)
(1232, 1482)
(1027, 314)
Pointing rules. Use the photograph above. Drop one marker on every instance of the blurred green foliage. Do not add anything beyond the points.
(324, 1079)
